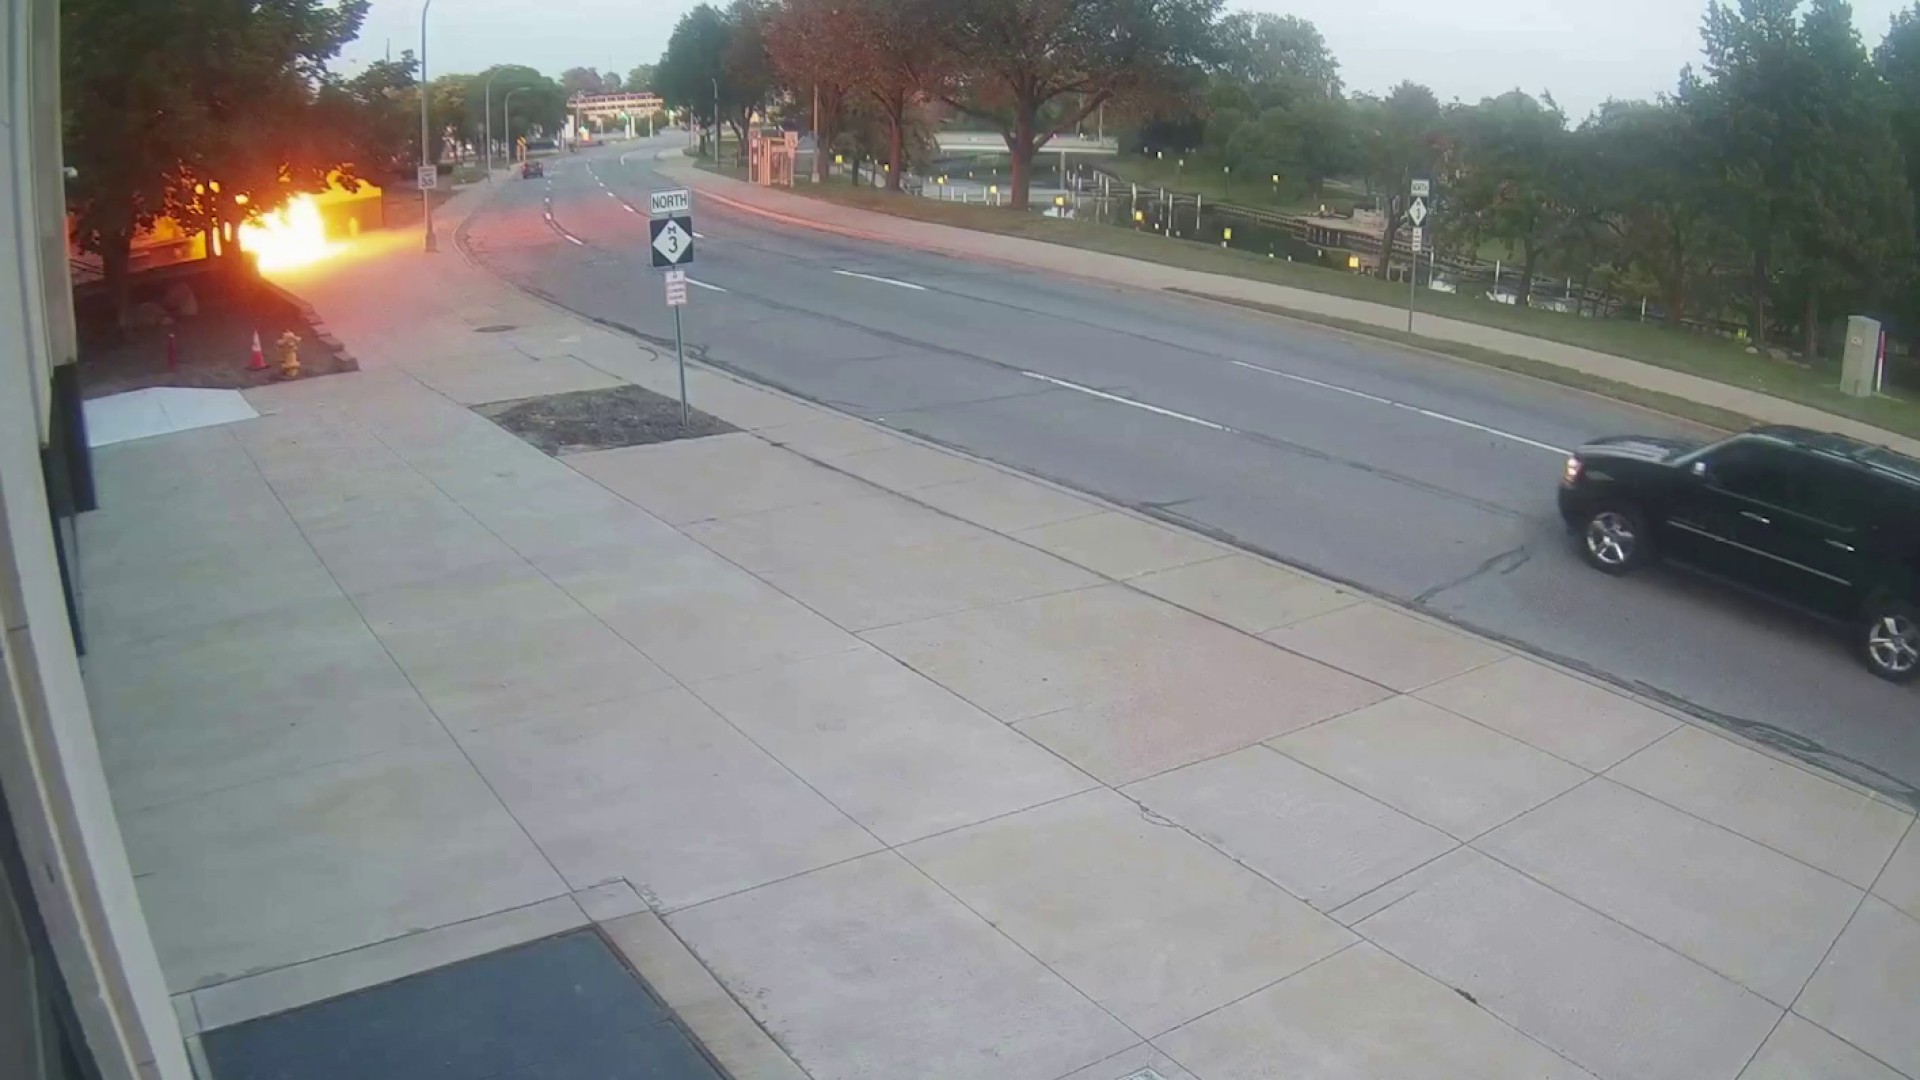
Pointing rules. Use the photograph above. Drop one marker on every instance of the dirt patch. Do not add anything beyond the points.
(194, 326)
(584, 420)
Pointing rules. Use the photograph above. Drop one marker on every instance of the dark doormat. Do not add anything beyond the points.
(583, 420)
(561, 1009)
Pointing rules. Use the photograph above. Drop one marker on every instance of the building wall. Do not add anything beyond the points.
(68, 840)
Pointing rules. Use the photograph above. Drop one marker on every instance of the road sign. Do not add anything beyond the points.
(675, 203)
(428, 177)
(672, 241)
(676, 288)
(1417, 238)
(1417, 212)
(1422, 189)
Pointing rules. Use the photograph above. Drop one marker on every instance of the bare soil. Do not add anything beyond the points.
(574, 423)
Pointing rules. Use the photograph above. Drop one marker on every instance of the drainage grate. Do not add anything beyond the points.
(583, 420)
(565, 1007)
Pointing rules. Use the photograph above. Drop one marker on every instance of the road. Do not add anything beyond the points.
(1416, 478)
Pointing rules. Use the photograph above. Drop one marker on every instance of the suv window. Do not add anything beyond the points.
(1762, 471)
(1846, 495)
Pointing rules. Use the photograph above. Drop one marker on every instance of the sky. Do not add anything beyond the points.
(1582, 51)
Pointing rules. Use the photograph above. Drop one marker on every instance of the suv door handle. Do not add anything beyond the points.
(1751, 516)
(1841, 544)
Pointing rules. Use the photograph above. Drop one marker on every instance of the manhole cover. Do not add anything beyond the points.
(499, 328)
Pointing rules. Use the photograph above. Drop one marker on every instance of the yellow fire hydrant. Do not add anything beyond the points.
(289, 346)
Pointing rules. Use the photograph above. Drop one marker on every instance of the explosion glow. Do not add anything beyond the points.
(294, 235)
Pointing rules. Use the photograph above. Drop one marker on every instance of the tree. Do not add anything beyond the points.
(747, 78)
(382, 112)
(1398, 139)
(640, 79)
(577, 81)
(690, 72)
(1516, 177)
(1284, 52)
(186, 109)
(895, 48)
(807, 40)
(1036, 68)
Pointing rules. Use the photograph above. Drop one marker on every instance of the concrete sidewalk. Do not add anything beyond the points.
(1115, 269)
(877, 761)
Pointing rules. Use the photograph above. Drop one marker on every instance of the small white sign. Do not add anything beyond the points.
(1422, 188)
(428, 177)
(1417, 213)
(676, 288)
(669, 203)
(1417, 239)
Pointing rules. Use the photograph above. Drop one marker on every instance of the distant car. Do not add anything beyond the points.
(531, 169)
(1823, 523)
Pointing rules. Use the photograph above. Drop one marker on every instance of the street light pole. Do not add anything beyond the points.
(426, 153)
(716, 123)
(489, 126)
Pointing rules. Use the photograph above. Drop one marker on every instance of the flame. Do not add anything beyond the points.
(294, 235)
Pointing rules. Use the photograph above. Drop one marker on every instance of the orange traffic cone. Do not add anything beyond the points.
(258, 360)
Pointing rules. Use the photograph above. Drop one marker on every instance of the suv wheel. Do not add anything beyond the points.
(1890, 642)
(1614, 539)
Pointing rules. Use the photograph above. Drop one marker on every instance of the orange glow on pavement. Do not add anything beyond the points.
(292, 236)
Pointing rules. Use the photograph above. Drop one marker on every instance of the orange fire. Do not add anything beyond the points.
(292, 236)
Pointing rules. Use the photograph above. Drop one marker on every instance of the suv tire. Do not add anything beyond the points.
(1889, 641)
(1614, 538)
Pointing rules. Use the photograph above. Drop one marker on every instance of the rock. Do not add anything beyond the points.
(180, 300)
(1751, 351)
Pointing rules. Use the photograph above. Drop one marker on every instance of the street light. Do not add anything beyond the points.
(426, 158)
(1228, 169)
(489, 124)
(716, 124)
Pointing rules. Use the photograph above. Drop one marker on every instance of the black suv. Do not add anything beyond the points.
(1823, 522)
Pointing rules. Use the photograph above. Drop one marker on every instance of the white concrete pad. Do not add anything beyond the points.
(1899, 884)
(720, 476)
(326, 860)
(1571, 718)
(1746, 911)
(1600, 995)
(899, 753)
(702, 1004)
(870, 970)
(389, 540)
(828, 532)
(831, 437)
(494, 646)
(1361, 1015)
(905, 584)
(1449, 772)
(1389, 647)
(1121, 545)
(1841, 830)
(1209, 693)
(219, 706)
(1004, 503)
(1317, 838)
(1801, 1050)
(663, 793)
(744, 405)
(1141, 1062)
(1866, 989)
(160, 410)
(910, 466)
(1151, 923)
(1245, 593)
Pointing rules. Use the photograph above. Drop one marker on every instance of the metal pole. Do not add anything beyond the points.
(716, 122)
(1413, 278)
(426, 154)
(680, 353)
(506, 117)
(489, 127)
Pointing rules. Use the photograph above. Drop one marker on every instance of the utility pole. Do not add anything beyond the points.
(426, 152)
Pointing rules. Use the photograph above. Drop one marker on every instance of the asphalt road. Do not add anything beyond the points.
(1421, 479)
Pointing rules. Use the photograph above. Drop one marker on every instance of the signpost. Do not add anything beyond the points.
(670, 233)
(428, 177)
(1417, 214)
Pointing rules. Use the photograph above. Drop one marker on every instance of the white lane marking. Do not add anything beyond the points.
(574, 239)
(1102, 394)
(881, 280)
(699, 236)
(1428, 413)
(704, 285)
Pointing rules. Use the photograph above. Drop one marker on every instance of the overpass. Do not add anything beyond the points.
(990, 142)
(638, 103)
